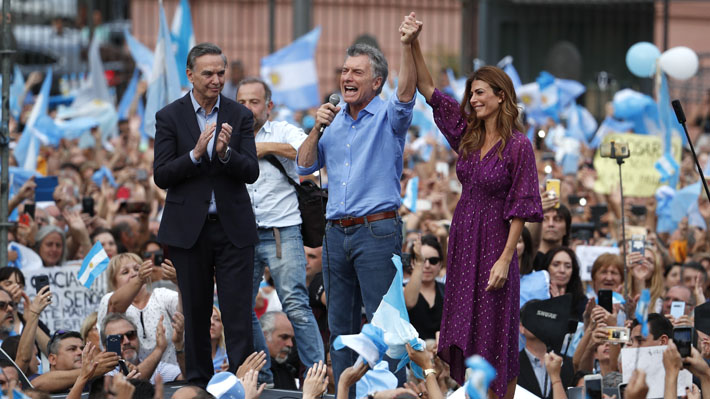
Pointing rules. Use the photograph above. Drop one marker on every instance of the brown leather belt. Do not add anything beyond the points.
(350, 221)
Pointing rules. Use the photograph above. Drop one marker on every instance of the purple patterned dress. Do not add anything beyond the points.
(494, 191)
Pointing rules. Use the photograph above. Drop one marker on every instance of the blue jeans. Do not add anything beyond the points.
(289, 274)
(357, 270)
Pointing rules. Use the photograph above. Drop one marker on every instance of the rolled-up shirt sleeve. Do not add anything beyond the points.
(400, 114)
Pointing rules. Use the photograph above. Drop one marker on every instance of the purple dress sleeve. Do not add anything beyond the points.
(523, 199)
(448, 118)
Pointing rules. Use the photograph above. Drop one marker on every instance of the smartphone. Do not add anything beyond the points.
(638, 210)
(122, 365)
(622, 390)
(614, 149)
(137, 207)
(638, 244)
(582, 231)
(683, 338)
(24, 220)
(677, 309)
(553, 185)
(40, 281)
(604, 298)
(618, 335)
(141, 175)
(113, 344)
(593, 386)
(158, 257)
(573, 200)
(87, 206)
(30, 210)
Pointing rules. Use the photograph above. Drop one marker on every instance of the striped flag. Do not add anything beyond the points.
(95, 262)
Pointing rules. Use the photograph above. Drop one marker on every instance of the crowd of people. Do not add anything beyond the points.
(483, 230)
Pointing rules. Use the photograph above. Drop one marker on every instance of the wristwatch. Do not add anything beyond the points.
(226, 154)
(429, 371)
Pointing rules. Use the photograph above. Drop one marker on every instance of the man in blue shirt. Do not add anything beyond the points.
(362, 150)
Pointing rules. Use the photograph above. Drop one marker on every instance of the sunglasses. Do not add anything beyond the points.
(434, 260)
(5, 304)
(130, 334)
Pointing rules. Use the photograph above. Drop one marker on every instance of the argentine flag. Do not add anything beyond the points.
(164, 83)
(34, 133)
(479, 377)
(183, 38)
(141, 55)
(93, 265)
(642, 311)
(411, 194)
(291, 73)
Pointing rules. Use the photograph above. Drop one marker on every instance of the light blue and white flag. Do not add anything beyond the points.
(125, 105)
(392, 317)
(664, 197)
(480, 377)
(369, 344)
(33, 135)
(164, 83)
(141, 54)
(549, 95)
(104, 173)
(183, 38)
(95, 262)
(609, 125)
(666, 165)
(379, 378)
(642, 311)
(26, 258)
(506, 64)
(535, 285)
(411, 193)
(458, 86)
(637, 108)
(16, 89)
(291, 73)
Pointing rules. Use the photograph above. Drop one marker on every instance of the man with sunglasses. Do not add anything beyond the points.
(119, 324)
(7, 318)
(64, 349)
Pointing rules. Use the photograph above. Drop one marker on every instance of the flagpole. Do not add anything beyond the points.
(6, 54)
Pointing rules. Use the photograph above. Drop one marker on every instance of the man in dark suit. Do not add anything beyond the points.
(533, 374)
(204, 156)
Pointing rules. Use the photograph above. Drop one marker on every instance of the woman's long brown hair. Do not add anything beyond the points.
(506, 118)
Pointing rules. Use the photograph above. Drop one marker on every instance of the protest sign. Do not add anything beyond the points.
(71, 301)
(651, 362)
(587, 254)
(640, 177)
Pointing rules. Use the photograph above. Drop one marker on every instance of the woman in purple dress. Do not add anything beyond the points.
(496, 167)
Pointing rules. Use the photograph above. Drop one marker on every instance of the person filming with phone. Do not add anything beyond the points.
(120, 335)
(131, 293)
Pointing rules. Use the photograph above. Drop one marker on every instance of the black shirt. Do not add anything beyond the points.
(427, 320)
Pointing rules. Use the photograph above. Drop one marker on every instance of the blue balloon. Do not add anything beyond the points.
(641, 59)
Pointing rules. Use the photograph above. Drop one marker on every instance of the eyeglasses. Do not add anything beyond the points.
(130, 334)
(59, 334)
(434, 260)
(149, 254)
(5, 304)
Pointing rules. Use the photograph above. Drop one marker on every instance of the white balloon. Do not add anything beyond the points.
(679, 62)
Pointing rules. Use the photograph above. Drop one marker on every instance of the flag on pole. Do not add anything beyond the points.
(16, 89)
(291, 73)
(183, 38)
(125, 105)
(95, 262)
(141, 54)
(506, 64)
(164, 83)
(32, 137)
(642, 311)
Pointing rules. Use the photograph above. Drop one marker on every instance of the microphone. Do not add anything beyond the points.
(678, 111)
(334, 99)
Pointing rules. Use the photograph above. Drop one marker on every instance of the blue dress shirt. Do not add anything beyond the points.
(364, 158)
(203, 120)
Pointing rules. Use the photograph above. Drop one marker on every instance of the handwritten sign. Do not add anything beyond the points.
(71, 301)
(587, 254)
(651, 362)
(640, 177)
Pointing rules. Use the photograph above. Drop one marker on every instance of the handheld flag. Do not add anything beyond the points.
(291, 73)
(27, 148)
(369, 344)
(642, 311)
(378, 378)
(411, 194)
(95, 262)
(480, 377)
(225, 385)
(141, 54)
(183, 37)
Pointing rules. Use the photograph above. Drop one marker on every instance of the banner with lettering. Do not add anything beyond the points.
(641, 178)
(71, 301)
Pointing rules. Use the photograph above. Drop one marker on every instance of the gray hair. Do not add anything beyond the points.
(252, 79)
(377, 61)
(203, 49)
(46, 230)
(268, 322)
(110, 318)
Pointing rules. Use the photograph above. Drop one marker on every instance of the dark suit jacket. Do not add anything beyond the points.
(527, 378)
(190, 186)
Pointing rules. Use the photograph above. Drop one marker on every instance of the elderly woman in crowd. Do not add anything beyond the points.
(51, 245)
(129, 283)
